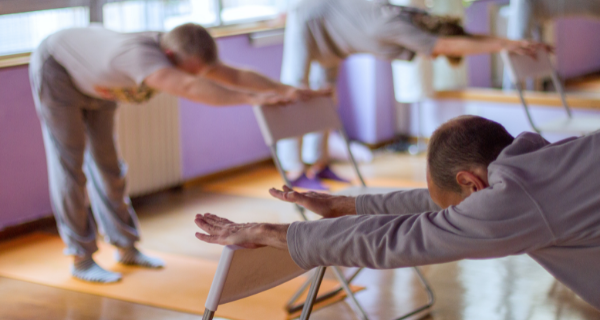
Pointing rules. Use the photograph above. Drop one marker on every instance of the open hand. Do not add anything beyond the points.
(326, 205)
(225, 232)
(247, 235)
(307, 94)
(270, 99)
(526, 47)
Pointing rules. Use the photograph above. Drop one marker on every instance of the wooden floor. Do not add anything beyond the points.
(509, 288)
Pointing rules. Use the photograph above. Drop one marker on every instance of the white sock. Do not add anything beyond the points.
(133, 257)
(86, 269)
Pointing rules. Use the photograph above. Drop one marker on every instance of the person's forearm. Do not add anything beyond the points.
(398, 202)
(244, 80)
(343, 206)
(215, 95)
(462, 46)
(181, 84)
(250, 80)
(272, 235)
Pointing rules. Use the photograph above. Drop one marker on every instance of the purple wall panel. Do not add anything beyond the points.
(577, 46)
(23, 179)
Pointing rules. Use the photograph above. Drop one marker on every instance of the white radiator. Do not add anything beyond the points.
(149, 140)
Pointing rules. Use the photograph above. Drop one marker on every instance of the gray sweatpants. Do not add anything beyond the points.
(78, 133)
(300, 70)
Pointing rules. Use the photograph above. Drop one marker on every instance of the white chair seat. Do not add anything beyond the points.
(575, 125)
(245, 272)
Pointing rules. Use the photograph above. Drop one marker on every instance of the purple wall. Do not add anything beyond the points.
(214, 139)
(23, 178)
(577, 46)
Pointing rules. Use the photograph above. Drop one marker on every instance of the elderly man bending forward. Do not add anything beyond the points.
(489, 195)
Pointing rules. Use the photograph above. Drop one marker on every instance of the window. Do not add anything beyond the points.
(236, 11)
(26, 25)
(139, 15)
(22, 32)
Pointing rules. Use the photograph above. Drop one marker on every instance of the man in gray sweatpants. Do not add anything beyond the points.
(77, 76)
(489, 195)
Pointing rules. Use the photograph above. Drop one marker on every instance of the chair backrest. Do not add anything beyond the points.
(245, 272)
(297, 119)
(521, 67)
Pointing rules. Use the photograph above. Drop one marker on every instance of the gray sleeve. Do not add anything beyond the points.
(488, 224)
(399, 202)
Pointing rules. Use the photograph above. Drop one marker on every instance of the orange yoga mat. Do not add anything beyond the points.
(182, 286)
(256, 184)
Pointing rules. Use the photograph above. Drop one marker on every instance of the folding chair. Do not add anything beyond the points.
(521, 67)
(245, 272)
(295, 120)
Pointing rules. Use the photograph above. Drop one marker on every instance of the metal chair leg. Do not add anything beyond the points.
(208, 314)
(430, 296)
(273, 149)
(342, 279)
(354, 164)
(312, 293)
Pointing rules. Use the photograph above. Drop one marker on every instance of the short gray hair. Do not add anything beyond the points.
(464, 143)
(191, 40)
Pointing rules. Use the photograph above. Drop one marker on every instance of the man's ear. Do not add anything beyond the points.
(170, 54)
(469, 182)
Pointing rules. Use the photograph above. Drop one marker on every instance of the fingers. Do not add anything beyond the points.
(287, 195)
(207, 238)
(205, 224)
(529, 48)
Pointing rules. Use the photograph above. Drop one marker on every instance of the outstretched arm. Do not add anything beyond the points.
(248, 80)
(490, 223)
(181, 84)
(477, 44)
(326, 205)
(331, 206)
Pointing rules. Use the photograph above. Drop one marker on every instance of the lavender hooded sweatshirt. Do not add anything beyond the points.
(543, 200)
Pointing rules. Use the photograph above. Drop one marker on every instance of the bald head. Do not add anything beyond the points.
(466, 143)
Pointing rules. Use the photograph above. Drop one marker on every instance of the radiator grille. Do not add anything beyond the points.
(148, 136)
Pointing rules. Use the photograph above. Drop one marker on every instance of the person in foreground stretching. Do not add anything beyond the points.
(77, 77)
(489, 195)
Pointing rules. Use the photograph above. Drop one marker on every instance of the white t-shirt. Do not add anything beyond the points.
(107, 64)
